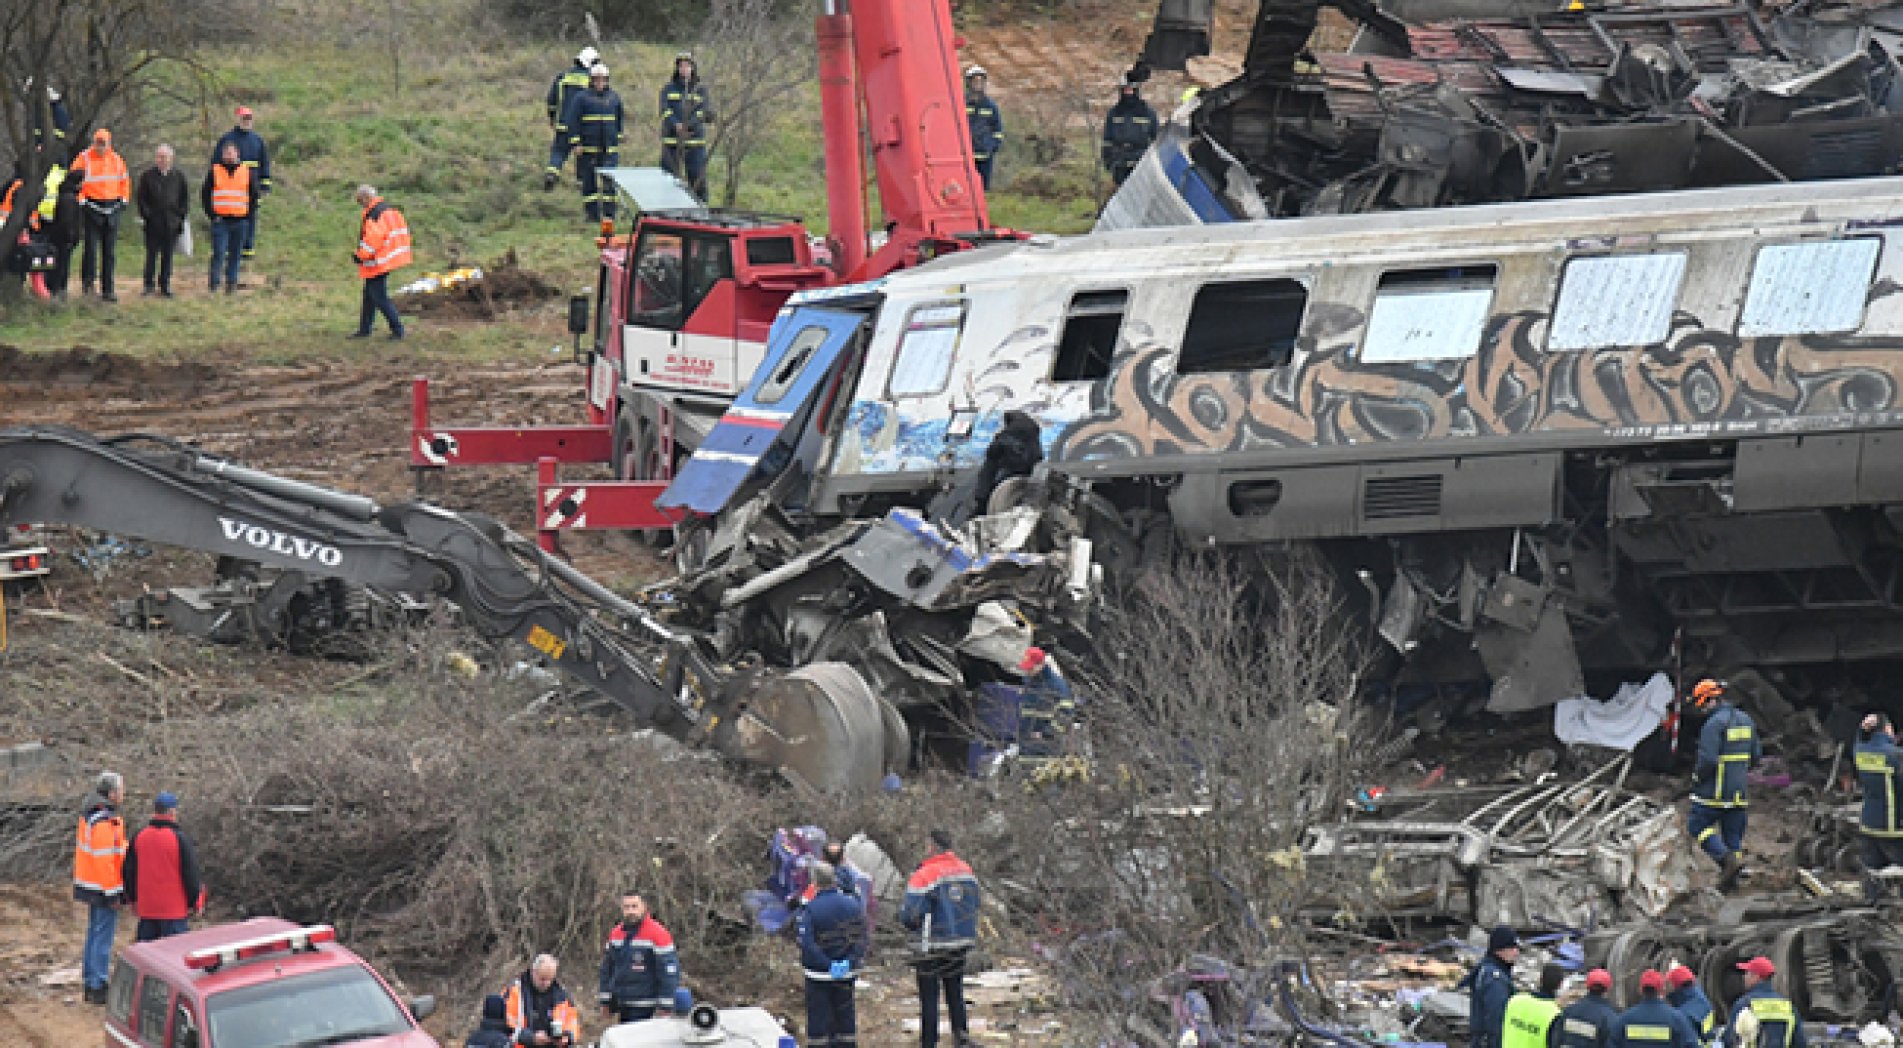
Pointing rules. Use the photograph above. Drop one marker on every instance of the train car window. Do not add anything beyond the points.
(1090, 336)
(926, 349)
(1616, 300)
(1243, 326)
(1809, 289)
(770, 251)
(1429, 314)
(790, 366)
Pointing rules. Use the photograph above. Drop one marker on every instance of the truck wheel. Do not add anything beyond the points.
(634, 454)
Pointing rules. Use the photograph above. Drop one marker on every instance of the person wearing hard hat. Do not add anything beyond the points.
(254, 156)
(1761, 1017)
(569, 83)
(987, 125)
(686, 110)
(1128, 130)
(592, 122)
(1728, 746)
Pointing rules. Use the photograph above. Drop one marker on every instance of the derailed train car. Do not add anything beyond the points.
(1545, 438)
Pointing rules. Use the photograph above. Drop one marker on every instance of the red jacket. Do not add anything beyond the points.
(161, 872)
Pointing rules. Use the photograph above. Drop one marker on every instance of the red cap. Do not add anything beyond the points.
(1760, 967)
(244, 110)
(1033, 660)
(1651, 980)
(1598, 979)
(1681, 976)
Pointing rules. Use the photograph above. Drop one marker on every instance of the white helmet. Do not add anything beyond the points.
(598, 69)
(587, 56)
(976, 70)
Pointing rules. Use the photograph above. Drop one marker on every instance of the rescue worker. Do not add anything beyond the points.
(686, 110)
(1048, 707)
(161, 874)
(103, 196)
(494, 1031)
(1689, 998)
(1014, 452)
(1652, 1023)
(942, 900)
(99, 855)
(539, 1009)
(1587, 1022)
(1878, 760)
(1761, 1017)
(639, 968)
(62, 218)
(254, 155)
(164, 208)
(1529, 1020)
(1489, 987)
(1128, 130)
(832, 938)
(987, 125)
(1727, 749)
(229, 196)
(383, 246)
(62, 121)
(593, 122)
(566, 85)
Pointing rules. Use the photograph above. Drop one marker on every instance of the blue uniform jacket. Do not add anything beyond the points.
(493, 1033)
(1490, 986)
(832, 927)
(686, 110)
(569, 83)
(1878, 759)
(1727, 748)
(251, 153)
(593, 120)
(1587, 1023)
(1770, 1034)
(1652, 1023)
(942, 901)
(639, 968)
(1695, 1006)
(987, 126)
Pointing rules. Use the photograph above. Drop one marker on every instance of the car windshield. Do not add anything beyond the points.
(328, 1007)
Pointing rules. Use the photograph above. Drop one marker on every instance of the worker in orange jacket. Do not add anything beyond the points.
(539, 1008)
(383, 246)
(102, 197)
(99, 855)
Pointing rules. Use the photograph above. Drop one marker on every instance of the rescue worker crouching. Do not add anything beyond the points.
(1587, 1022)
(1530, 1019)
(1878, 761)
(593, 124)
(639, 968)
(1728, 748)
(1761, 1017)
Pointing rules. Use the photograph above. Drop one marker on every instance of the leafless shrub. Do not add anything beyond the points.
(756, 57)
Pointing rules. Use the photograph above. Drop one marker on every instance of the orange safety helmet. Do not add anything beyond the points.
(1707, 691)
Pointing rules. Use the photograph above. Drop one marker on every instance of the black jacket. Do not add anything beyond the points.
(204, 192)
(1014, 452)
(68, 227)
(163, 204)
(1128, 130)
(493, 1033)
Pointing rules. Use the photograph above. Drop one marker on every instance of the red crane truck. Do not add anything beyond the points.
(684, 301)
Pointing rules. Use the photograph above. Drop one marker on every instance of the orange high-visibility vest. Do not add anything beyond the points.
(230, 191)
(99, 852)
(383, 244)
(6, 202)
(105, 176)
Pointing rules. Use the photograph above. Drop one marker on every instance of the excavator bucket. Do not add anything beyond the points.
(822, 727)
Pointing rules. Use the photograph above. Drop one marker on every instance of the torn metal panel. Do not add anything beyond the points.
(1530, 670)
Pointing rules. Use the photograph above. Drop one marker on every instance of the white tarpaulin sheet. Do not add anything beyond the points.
(1620, 722)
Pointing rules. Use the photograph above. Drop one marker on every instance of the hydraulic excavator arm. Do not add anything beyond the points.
(162, 491)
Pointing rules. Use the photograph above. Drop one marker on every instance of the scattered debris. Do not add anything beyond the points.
(477, 292)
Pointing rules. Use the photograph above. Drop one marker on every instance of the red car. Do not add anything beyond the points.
(261, 983)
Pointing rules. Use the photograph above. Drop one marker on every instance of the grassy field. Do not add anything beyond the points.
(455, 137)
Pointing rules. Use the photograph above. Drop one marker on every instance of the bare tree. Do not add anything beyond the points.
(756, 58)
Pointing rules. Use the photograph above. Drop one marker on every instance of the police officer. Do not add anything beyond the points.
(1587, 1022)
(686, 110)
(1652, 1023)
(1690, 1000)
(1878, 759)
(593, 121)
(566, 85)
(1529, 1021)
(1128, 130)
(1727, 748)
(1490, 986)
(987, 126)
(1760, 1018)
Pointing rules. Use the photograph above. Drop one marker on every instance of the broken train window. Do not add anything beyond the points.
(1809, 289)
(1429, 314)
(1616, 300)
(1243, 326)
(791, 363)
(1090, 336)
(926, 348)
